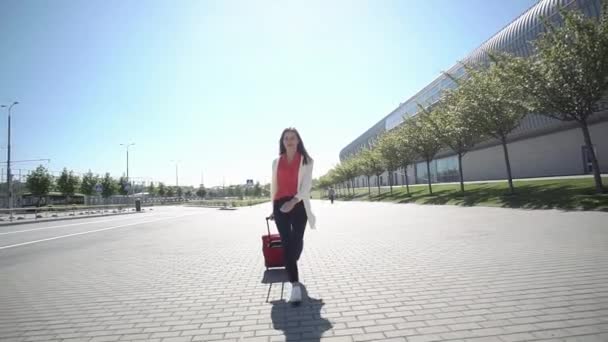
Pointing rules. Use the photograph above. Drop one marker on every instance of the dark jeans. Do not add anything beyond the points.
(291, 226)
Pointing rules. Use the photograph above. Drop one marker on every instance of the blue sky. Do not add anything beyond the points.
(213, 83)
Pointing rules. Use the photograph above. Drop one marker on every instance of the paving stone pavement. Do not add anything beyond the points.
(372, 272)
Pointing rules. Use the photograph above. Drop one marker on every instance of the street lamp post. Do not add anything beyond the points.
(8, 159)
(127, 147)
(176, 172)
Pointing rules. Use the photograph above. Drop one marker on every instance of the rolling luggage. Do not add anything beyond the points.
(272, 247)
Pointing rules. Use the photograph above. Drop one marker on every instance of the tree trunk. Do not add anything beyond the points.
(599, 188)
(460, 172)
(390, 180)
(428, 175)
(506, 151)
(407, 182)
(378, 183)
(369, 187)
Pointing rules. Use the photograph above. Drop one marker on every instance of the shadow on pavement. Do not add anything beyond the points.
(274, 276)
(302, 322)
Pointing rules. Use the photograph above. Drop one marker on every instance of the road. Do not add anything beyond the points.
(372, 271)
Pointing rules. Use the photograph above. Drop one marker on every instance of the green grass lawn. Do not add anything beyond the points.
(568, 194)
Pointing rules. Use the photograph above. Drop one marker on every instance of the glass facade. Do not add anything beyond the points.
(442, 170)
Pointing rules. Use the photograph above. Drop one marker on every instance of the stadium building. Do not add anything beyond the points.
(539, 147)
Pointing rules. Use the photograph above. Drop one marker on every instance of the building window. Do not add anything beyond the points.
(442, 171)
(447, 169)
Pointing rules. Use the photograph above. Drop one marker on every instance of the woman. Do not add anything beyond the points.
(290, 191)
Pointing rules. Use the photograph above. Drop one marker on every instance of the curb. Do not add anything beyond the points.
(17, 223)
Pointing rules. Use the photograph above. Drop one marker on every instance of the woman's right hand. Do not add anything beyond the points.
(271, 217)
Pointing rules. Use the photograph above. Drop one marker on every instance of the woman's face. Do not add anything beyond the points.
(290, 140)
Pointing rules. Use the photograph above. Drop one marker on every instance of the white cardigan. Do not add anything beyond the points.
(304, 186)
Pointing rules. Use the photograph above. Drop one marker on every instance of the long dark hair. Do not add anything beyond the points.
(301, 147)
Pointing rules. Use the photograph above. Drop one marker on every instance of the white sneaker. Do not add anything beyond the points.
(296, 294)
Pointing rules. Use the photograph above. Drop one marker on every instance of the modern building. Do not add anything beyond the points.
(539, 147)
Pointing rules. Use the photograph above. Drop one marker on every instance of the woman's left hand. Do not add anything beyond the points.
(288, 206)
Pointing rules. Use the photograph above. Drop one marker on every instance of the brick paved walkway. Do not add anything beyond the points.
(372, 272)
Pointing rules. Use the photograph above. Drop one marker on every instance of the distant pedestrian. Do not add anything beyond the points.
(332, 194)
(290, 190)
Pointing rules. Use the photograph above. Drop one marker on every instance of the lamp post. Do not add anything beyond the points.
(8, 159)
(176, 172)
(127, 147)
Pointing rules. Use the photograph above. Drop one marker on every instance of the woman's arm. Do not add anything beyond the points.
(272, 185)
(305, 187)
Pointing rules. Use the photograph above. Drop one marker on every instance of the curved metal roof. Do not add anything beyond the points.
(511, 38)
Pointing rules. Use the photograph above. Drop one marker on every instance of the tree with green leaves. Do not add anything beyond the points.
(497, 99)
(39, 182)
(87, 186)
(162, 189)
(569, 73)
(405, 153)
(151, 189)
(424, 141)
(109, 186)
(123, 185)
(338, 176)
(371, 165)
(179, 191)
(67, 183)
(170, 191)
(202, 192)
(346, 172)
(452, 120)
(363, 158)
(388, 146)
(353, 170)
(257, 190)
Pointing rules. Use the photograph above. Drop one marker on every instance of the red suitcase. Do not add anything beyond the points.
(272, 249)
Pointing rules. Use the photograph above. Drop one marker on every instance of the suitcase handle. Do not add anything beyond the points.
(268, 224)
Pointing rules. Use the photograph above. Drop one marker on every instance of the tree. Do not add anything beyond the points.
(202, 192)
(39, 182)
(364, 157)
(170, 191)
(123, 185)
(346, 172)
(498, 100)
(179, 191)
(424, 141)
(405, 153)
(388, 145)
(67, 183)
(257, 190)
(452, 120)
(87, 186)
(108, 185)
(570, 73)
(151, 189)
(371, 165)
